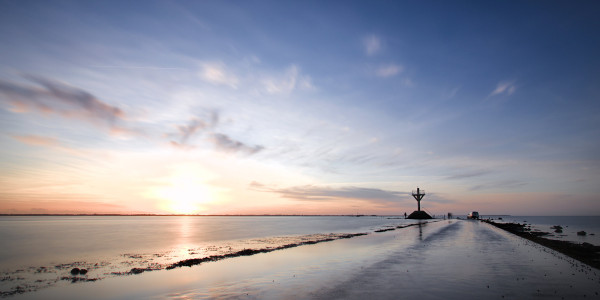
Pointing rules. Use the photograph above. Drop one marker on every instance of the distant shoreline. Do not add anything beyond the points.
(184, 215)
(254, 215)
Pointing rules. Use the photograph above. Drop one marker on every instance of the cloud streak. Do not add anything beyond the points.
(52, 97)
(188, 130)
(469, 174)
(195, 125)
(36, 140)
(372, 45)
(48, 142)
(324, 194)
(505, 184)
(291, 80)
(227, 144)
(216, 73)
(389, 70)
(504, 87)
(220, 141)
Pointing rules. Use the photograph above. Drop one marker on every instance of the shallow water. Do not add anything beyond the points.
(461, 258)
(42, 250)
(440, 260)
(571, 225)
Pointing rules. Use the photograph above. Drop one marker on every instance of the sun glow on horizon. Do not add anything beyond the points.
(184, 193)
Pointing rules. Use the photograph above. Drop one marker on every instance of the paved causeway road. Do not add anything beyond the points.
(468, 260)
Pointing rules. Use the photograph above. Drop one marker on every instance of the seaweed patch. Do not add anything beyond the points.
(248, 252)
(585, 252)
(38, 277)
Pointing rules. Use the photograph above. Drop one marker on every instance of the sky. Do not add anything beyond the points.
(299, 107)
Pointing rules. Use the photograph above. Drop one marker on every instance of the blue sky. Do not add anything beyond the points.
(299, 107)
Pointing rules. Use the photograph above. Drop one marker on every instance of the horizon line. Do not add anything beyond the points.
(231, 215)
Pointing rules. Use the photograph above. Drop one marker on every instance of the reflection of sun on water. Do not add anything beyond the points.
(184, 195)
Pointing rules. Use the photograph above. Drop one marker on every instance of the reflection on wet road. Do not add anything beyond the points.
(466, 260)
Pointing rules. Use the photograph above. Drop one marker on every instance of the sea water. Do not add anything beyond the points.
(445, 259)
(571, 225)
(40, 251)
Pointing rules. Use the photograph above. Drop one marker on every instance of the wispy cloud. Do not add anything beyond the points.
(407, 82)
(372, 45)
(450, 93)
(135, 67)
(388, 70)
(44, 141)
(505, 184)
(469, 174)
(36, 140)
(217, 73)
(206, 126)
(52, 97)
(181, 146)
(188, 130)
(324, 193)
(196, 125)
(27, 204)
(288, 82)
(504, 87)
(227, 144)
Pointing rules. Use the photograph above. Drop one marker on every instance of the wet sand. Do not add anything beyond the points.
(453, 259)
(584, 252)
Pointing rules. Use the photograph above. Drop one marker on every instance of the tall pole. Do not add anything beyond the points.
(418, 196)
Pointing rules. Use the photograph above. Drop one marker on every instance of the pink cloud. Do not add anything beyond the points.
(36, 140)
(51, 97)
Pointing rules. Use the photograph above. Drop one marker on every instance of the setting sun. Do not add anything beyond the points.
(184, 193)
(184, 198)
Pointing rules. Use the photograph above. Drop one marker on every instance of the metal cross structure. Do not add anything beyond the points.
(418, 196)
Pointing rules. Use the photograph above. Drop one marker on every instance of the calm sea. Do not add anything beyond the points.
(41, 250)
(571, 225)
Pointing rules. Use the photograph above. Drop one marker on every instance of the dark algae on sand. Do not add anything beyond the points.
(248, 252)
(584, 252)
